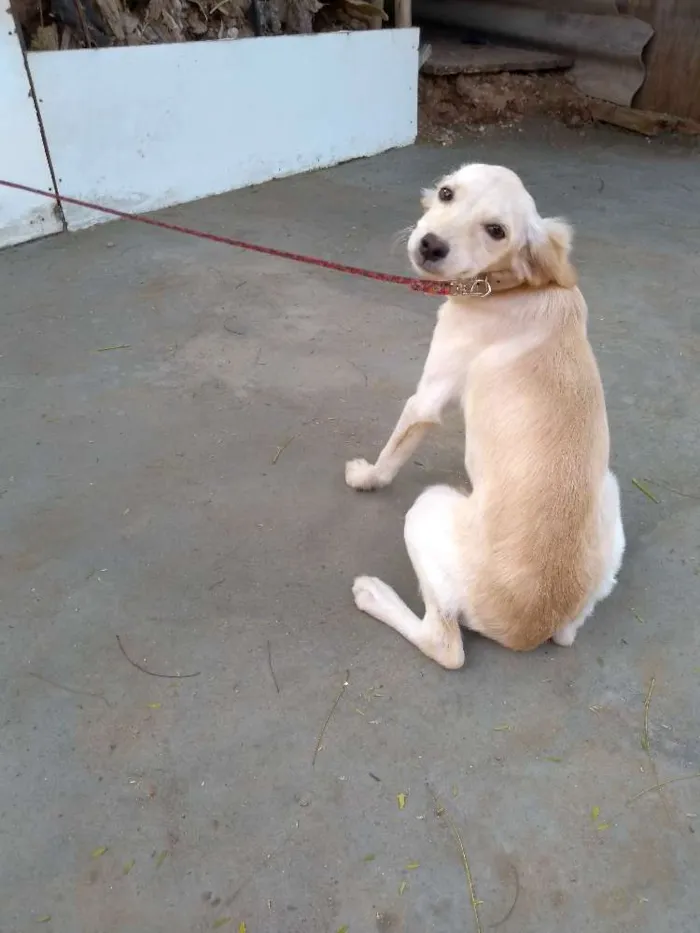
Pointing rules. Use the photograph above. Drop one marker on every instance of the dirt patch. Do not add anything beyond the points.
(450, 105)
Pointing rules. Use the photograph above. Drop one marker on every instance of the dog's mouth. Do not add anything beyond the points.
(428, 268)
(436, 271)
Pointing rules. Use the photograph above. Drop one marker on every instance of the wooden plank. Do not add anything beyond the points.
(672, 83)
(641, 121)
(452, 57)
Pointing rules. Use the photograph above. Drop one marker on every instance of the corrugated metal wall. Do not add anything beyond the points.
(619, 58)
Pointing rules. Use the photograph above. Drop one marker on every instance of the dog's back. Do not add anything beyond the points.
(540, 424)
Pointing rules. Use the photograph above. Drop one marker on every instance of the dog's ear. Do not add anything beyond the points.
(544, 260)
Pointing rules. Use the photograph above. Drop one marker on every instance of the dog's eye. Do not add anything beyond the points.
(496, 231)
(446, 194)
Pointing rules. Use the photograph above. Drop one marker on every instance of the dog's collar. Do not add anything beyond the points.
(481, 286)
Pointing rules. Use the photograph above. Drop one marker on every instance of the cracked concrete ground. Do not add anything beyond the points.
(185, 493)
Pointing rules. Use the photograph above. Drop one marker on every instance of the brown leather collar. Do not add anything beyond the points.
(481, 286)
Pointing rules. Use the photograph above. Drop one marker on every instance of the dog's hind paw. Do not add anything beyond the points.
(359, 474)
(566, 635)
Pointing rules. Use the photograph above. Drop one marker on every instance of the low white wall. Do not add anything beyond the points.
(22, 157)
(142, 128)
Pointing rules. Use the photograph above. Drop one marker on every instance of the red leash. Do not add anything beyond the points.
(418, 285)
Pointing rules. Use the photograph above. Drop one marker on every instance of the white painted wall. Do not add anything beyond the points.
(22, 158)
(142, 128)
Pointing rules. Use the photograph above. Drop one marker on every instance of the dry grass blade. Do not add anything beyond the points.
(144, 670)
(80, 12)
(500, 923)
(441, 811)
(272, 670)
(263, 861)
(657, 786)
(328, 718)
(646, 744)
(113, 13)
(363, 10)
(647, 704)
(644, 489)
(280, 450)
(55, 683)
(677, 492)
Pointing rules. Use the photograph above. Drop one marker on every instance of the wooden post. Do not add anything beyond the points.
(402, 14)
(376, 21)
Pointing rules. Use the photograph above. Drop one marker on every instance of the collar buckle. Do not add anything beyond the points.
(479, 287)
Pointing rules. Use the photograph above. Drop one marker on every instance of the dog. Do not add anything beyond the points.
(539, 541)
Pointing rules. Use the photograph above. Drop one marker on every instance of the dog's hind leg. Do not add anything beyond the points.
(566, 635)
(432, 548)
(614, 533)
(614, 537)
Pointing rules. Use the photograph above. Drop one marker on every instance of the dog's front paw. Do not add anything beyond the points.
(359, 474)
(367, 592)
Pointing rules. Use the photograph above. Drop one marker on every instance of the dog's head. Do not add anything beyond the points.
(481, 219)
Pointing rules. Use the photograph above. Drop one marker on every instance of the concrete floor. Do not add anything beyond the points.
(186, 494)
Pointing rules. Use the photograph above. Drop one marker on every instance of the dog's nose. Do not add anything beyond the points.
(433, 248)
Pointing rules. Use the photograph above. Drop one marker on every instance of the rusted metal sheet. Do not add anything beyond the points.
(606, 46)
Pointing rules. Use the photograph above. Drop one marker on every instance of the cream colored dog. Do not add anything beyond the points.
(539, 541)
